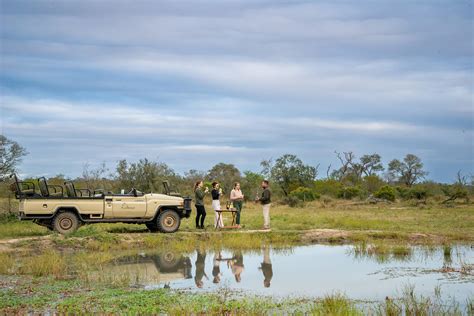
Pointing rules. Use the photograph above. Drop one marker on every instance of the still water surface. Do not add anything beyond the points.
(311, 271)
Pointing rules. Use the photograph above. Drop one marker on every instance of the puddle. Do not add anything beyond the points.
(310, 271)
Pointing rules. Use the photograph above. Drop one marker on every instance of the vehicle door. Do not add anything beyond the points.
(128, 206)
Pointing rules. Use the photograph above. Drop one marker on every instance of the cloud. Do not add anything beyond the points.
(237, 81)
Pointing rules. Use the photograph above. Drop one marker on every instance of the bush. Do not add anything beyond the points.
(328, 187)
(372, 183)
(418, 193)
(348, 192)
(386, 192)
(292, 201)
(304, 194)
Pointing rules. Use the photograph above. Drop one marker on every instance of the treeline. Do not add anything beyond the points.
(293, 181)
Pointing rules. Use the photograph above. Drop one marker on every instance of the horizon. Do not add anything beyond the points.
(192, 84)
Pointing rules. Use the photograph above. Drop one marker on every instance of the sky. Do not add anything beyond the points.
(195, 83)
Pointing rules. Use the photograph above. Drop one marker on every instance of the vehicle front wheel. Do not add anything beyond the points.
(66, 223)
(168, 221)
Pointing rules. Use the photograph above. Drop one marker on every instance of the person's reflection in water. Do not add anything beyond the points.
(266, 267)
(237, 265)
(200, 265)
(216, 270)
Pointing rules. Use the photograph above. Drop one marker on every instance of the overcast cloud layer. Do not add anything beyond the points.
(199, 82)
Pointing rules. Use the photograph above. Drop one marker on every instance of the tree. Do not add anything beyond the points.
(11, 154)
(144, 175)
(408, 171)
(289, 172)
(371, 164)
(250, 184)
(194, 175)
(94, 178)
(352, 171)
(225, 174)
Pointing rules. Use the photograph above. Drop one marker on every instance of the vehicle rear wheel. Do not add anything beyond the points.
(168, 261)
(168, 221)
(152, 227)
(66, 223)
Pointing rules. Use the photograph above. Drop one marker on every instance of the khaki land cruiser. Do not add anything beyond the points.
(65, 208)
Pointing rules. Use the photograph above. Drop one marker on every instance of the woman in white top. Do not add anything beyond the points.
(216, 204)
(237, 199)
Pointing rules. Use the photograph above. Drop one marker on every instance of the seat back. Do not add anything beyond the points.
(22, 188)
(43, 186)
(70, 189)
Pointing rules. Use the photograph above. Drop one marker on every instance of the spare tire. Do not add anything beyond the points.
(168, 221)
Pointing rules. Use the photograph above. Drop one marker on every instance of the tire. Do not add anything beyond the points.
(168, 221)
(168, 261)
(66, 223)
(152, 227)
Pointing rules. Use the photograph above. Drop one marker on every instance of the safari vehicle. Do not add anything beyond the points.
(65, 208)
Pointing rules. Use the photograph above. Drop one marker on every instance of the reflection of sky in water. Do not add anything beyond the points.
(319, 270)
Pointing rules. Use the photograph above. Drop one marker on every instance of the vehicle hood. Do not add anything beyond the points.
(157, 196)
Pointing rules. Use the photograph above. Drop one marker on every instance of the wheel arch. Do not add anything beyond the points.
(163, 208)
(72, 209)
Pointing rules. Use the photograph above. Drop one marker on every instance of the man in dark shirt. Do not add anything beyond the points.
(266, 267)
(266, 200)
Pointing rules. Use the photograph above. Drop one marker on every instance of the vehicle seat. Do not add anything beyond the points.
(44, 189)
(73, 192)
(22, 188)
(70, 190)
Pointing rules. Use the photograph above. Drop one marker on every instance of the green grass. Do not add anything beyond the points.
(433, 224)
(16, 229)
(45, 295)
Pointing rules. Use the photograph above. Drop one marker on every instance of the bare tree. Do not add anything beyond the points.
(11, 154)
(94, 178)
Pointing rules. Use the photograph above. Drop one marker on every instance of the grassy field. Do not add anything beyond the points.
(46, 296)
(392, 221)
(43, 272)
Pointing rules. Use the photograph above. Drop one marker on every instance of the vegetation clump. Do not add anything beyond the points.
(386, 192)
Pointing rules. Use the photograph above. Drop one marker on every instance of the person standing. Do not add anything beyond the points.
(216, 204)
(237, 199)
(266, 267)
(237, 266)
(216, 270)
(200, 267)
(265, 199)
(199, 194)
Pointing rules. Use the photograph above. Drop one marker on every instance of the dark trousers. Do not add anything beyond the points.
(238, 208)
(200, 214)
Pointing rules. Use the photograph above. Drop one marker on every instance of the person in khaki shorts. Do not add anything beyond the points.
(266, 201)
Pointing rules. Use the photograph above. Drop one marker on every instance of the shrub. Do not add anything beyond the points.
(304, 194)
(386, 192)
(372, 183)
(418, 193)
(348, 192)
(292, 201)
(328, 187)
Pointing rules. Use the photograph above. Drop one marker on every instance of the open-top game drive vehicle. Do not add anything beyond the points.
(65, 208)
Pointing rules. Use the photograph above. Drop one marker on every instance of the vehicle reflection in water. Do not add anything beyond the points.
(145, 269)
(316, 270)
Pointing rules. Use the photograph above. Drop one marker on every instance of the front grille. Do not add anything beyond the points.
(187, 203)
